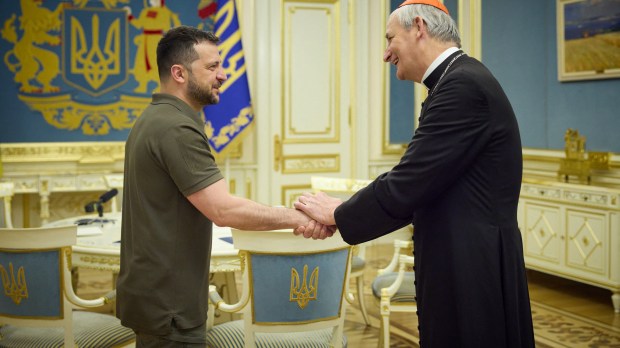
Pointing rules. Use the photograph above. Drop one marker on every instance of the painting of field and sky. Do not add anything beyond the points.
(589, 39)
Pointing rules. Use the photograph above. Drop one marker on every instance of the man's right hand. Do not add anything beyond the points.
(315, 230)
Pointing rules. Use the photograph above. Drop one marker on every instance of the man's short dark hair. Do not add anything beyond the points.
(177, 47)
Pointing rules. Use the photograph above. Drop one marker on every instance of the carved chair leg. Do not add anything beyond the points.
(362, 302)
(384, 332)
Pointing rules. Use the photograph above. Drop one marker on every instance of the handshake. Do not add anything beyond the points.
(319, 209)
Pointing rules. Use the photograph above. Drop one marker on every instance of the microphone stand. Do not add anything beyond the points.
(100, 209)
(98, 205)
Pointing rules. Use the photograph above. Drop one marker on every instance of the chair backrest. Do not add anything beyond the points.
(35, 277)
(292, 284)
(401, 247)
(6, 195)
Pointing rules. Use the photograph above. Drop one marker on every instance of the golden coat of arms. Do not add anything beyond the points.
(88, 65)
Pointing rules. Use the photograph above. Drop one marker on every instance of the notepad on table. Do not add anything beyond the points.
(89, 230)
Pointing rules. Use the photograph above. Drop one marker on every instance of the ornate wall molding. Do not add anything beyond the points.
(311, 163)
(46, 168)
(82, 152)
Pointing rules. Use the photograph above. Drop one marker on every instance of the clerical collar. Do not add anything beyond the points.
(433, 67)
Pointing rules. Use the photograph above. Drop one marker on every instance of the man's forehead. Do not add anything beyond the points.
(207, 48)
(206, 45)
(392, 25)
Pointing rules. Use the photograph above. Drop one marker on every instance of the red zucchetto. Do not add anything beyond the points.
(434, 3)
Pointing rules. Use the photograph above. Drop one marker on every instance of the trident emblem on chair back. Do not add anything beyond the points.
(301, 291)
(16, 290)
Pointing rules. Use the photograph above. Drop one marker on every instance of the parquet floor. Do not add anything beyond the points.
(567, 313)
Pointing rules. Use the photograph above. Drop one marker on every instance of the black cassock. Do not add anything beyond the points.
(458, 183)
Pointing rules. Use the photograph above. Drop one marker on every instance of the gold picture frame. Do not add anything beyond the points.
(409, 94)
(588, 39)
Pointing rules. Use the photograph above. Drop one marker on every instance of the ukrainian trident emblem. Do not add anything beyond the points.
(301, 291)
(94, 53)
(14, 288)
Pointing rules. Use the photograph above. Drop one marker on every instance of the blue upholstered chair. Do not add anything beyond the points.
(344, 189)
(394, 288)
(37, 301)
(292, 294)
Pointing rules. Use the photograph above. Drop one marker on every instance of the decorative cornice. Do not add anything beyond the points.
(81, 152)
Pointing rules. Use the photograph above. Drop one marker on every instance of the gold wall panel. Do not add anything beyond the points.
(311, 164)
(311, 72)
(387, 147)
(291, 192)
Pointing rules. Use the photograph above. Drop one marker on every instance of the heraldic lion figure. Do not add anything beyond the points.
(27, 60)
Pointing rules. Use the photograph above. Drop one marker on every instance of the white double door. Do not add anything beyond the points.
(302, 95)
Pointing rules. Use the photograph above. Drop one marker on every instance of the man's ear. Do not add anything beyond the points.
(178, 73)
(419, 24)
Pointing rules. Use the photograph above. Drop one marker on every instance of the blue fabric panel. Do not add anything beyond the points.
(42, 280)
(544, 106)
(271, 281)
(357, 263)
(406, 292)
(401, 109)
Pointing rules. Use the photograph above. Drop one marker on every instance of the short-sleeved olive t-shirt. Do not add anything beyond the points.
(165, 240)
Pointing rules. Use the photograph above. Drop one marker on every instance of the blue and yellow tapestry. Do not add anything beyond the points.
(83, 70)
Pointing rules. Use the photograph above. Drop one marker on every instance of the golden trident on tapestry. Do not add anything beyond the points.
(302, 292)
(16, 290)
(97, 63)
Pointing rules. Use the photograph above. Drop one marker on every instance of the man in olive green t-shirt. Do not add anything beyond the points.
(173, 191)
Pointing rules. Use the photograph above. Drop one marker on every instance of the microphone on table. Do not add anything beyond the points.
(98, 205)
(108, 195)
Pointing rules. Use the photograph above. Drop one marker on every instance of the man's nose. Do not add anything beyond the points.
(387, 55)
(222, 75)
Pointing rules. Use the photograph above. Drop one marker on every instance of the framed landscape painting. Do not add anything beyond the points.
(588, 39)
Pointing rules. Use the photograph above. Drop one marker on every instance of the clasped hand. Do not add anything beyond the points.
(321, 208)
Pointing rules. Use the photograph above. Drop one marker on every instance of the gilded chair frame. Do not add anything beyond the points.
(6, 196)
(281, 242)
(399, 263)
(59, 239)
(344, 188)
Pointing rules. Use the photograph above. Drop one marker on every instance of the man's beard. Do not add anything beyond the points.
(203, 96)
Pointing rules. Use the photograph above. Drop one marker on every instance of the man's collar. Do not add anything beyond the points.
(440, 59)
(164, 98)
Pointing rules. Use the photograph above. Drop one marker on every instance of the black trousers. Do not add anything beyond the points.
(177, 338)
